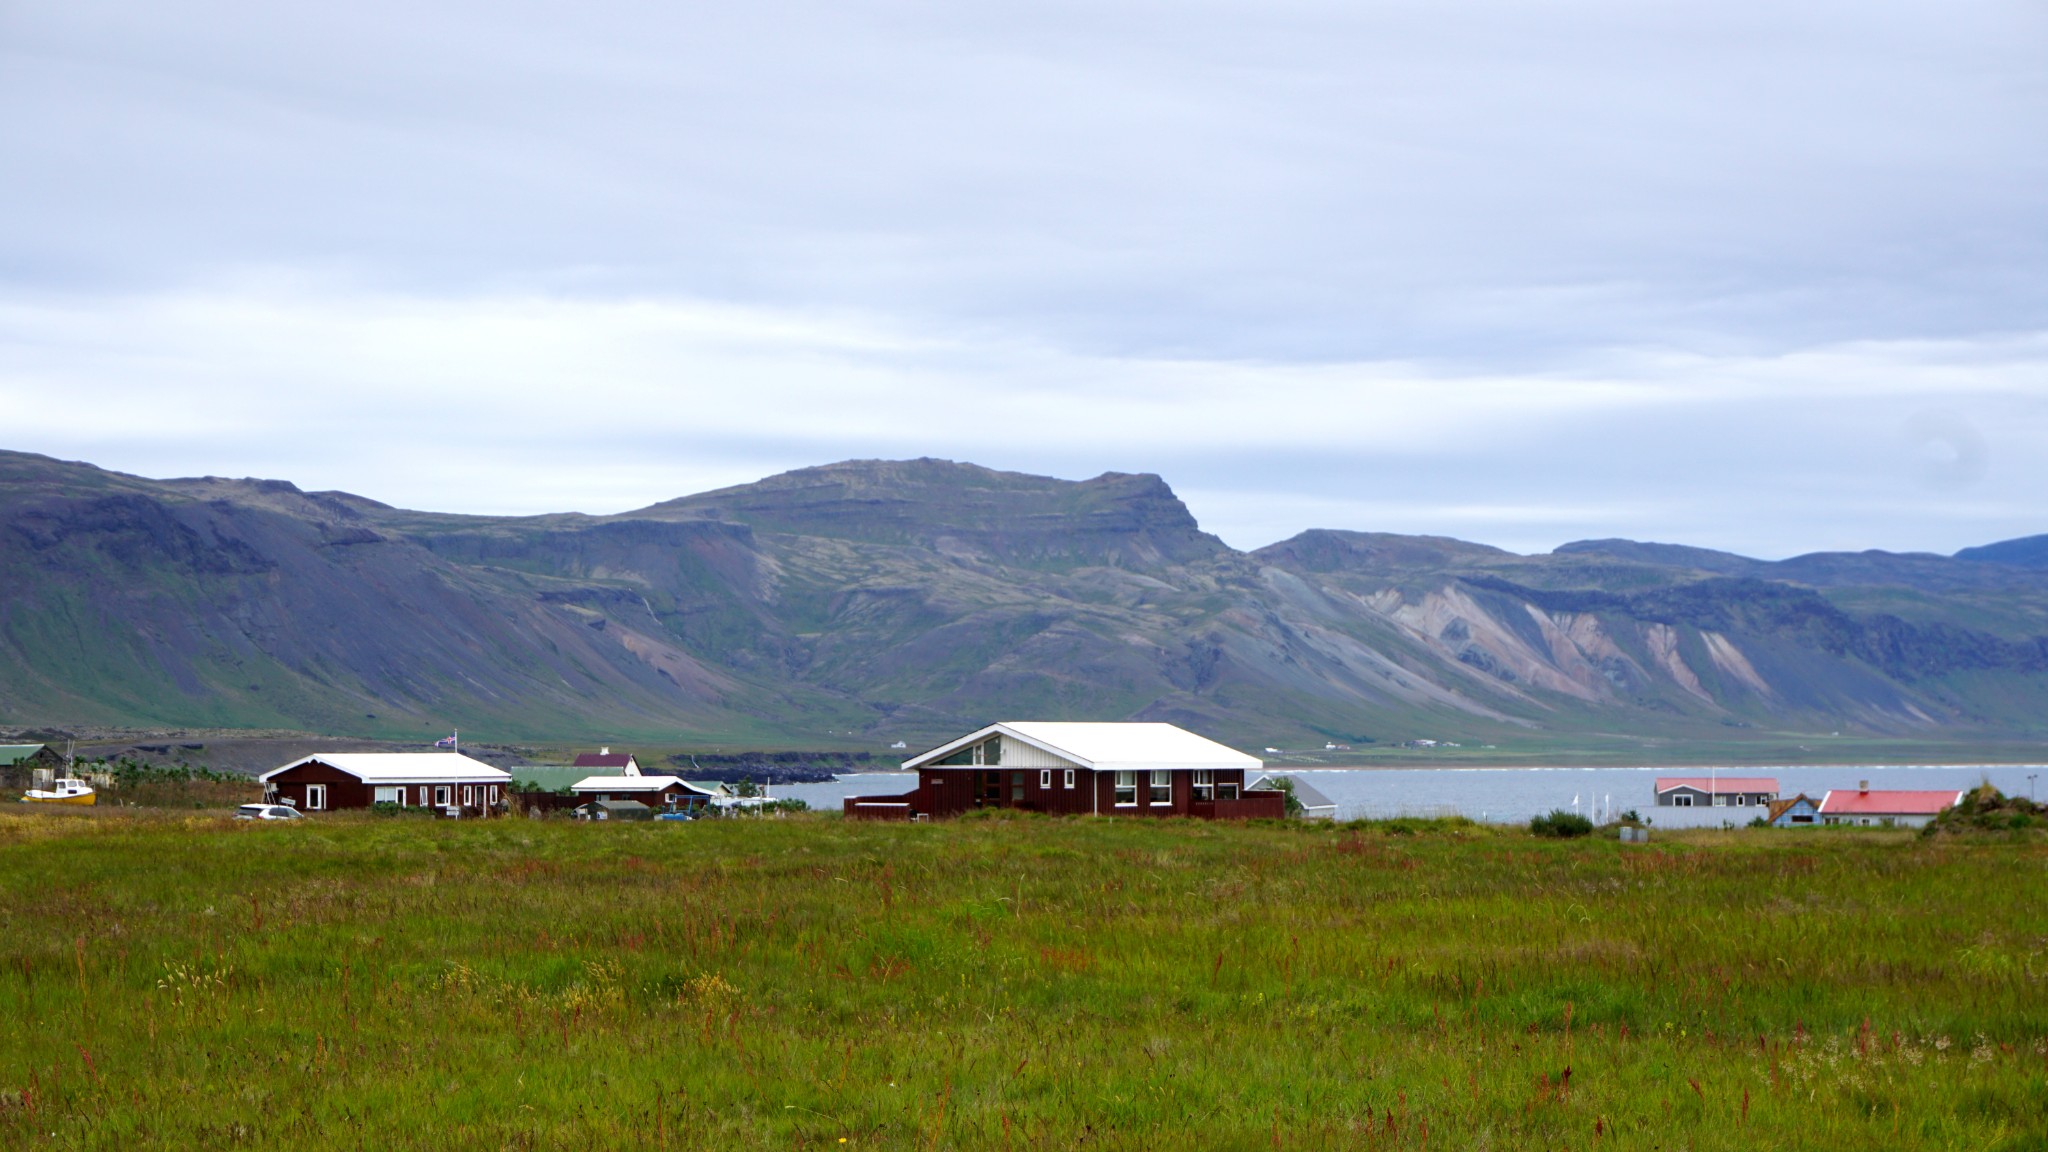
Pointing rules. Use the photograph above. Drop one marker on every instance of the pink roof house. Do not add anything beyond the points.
(1716, 791)
(1906, 809)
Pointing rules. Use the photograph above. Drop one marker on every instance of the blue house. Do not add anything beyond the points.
(1800, 811)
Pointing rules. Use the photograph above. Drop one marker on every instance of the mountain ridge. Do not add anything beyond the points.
(866, 601)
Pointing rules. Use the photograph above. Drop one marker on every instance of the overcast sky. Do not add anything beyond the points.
(1766, 275)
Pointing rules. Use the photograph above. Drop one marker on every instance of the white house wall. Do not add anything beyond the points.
(1018, 754)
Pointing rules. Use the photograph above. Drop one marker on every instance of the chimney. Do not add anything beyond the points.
(607, 751)
(1863, 786)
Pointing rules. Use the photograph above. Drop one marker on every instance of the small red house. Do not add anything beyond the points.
(1103, 769)
(664, 792)
(449, 782)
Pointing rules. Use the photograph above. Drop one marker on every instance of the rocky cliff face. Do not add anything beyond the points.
(873, 600)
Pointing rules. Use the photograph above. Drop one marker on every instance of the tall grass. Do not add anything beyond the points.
(187, 981)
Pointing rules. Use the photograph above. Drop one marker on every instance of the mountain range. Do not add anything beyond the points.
(865, 602)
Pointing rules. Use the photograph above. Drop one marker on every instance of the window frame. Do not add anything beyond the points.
(444, 795)
(1045, 779)
(1125, 785)
(1070, 778)
(1204, 785)
(1162, 779)
(316, 797)
(386, 793)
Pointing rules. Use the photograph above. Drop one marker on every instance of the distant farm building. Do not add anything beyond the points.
(622, 763)
(18, 762)
(1105, 769)
(448, 782)
(1900, 809)
(614, 810)
(1800, 811)
(1716, 792)
(1314, 805)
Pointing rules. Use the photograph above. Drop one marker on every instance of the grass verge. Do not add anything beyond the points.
(183, 980)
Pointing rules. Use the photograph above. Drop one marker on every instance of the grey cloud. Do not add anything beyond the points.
(1054, 216)
(1476, 179)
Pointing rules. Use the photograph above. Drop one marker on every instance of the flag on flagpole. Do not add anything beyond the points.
(445, 742)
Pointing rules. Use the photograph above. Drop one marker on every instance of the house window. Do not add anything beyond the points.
(316, 797)
(441, 795)
(1720, 801)
(1682, 800)
(992, 785)
(1205, 784)
(1227, 790)
(389, 795)
(1016, 786)
(1045, 778)
(468, 795)
(989, 752)
(1741, 801)
(1162, 786)
(1070, 777)
(494, 795)
(1126, 789)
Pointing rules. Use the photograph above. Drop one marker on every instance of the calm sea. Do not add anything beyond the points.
(1513, 795)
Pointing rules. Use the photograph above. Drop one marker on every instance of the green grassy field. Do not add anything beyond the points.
(181, 980)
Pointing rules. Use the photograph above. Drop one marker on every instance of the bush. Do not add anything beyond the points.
(1986, 809)
(1285, 786)
(1561, 824)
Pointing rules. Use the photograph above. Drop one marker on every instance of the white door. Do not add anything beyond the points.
(316, 797)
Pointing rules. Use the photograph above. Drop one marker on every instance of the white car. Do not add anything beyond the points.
(266, 812)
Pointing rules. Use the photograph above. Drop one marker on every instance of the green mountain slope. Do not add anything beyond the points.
(878, 600)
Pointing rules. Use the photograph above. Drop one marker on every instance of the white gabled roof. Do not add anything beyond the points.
(1117, 746)
(633, 784)
(404, 767)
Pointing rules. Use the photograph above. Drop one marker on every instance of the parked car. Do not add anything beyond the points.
(266, 812)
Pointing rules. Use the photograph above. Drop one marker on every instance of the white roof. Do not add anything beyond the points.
(1118, 746)
(404, 767)
(630, 784)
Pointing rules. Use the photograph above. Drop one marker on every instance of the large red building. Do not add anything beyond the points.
(1076, 769)
(448, 782)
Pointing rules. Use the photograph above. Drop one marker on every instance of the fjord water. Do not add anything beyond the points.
(1513, 795)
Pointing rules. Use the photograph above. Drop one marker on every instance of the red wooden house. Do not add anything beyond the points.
(1102, 769)
(449, 782)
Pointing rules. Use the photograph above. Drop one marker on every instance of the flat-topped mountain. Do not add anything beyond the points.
(868, 601)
